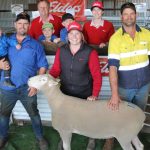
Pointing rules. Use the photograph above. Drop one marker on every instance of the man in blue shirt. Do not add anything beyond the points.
(25, 63)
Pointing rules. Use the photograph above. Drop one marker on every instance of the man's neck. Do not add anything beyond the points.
(45, 18)
(130, 30)
(20, 38)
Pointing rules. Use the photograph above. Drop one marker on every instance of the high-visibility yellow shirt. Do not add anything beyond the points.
(130, 56)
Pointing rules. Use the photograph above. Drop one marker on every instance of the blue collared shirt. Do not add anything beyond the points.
(26, 61)
(64, 35)
(5, 42)
(42, 38)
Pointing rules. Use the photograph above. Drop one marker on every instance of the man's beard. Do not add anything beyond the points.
(130, 24)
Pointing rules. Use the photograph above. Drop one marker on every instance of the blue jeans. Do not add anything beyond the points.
(136, 96)
(8, 100)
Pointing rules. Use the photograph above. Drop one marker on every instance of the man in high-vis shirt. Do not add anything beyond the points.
(129, 69)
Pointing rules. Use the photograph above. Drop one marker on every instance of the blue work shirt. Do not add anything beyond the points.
(42, 38)
(25, 62)
(5, 42)
(64, 35)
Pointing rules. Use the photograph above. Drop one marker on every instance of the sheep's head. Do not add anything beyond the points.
(40, 80)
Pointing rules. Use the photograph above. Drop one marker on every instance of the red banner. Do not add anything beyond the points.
(59, 7)
(104, 65)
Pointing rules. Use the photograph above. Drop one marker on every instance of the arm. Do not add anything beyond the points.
(42, 64)
(63, 35)
(85, 32)
(110, 32)
(94, 66)
(56, 69)
(115, 99)
(114, 64)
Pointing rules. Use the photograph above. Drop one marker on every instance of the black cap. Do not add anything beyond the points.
(67, 16)
(23, 15)
(127, 5)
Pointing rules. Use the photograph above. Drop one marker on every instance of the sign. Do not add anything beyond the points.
(141, 7)
(16, 8)
(59, 7)
(104, 65)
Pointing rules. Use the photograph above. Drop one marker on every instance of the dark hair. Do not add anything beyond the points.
(67, 16)
(23, 15)
(46, 1)
(127, 5)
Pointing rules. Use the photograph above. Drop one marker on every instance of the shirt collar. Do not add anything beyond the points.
(50, 17)
(138, 29)
(101, 23)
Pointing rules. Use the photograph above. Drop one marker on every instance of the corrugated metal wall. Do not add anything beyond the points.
(6, 17)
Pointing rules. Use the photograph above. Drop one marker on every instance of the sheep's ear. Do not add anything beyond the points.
(52, 83)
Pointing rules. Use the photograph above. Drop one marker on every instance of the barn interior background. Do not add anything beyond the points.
(8, 10)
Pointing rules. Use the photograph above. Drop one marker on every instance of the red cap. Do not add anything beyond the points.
(74, 26)
(97, 4)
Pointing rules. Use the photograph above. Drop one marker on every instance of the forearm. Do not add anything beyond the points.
(113, 77)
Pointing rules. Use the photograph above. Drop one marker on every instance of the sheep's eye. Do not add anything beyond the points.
(43, 79)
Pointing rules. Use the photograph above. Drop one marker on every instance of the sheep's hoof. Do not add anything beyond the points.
(43, 144)
(60, 145)
(91, 144)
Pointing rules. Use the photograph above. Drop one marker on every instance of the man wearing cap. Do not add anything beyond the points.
(129, 72)
(25, 63)
(97, 32)
(78, 66)
(35, 29)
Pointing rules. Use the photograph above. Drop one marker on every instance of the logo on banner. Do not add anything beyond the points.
(59, 7)
(104, 66)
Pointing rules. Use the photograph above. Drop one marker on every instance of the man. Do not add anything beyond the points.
(25, 63)
(129, 71)
(97, 32)
(35, 29)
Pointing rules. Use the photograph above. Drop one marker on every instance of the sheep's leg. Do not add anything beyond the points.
(126, 146)
(137, 144)
(66, 138)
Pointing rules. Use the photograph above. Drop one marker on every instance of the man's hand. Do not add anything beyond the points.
(4, 65)
(92, 98)
(32, 91)
(113, 103)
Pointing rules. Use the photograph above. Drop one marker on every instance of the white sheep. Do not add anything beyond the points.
(88, 118)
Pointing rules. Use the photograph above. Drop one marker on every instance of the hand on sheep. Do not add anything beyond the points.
(32, 91)
(92, 98)
(113, 103)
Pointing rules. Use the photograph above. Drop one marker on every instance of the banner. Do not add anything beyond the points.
(59, 7)
(104, 65)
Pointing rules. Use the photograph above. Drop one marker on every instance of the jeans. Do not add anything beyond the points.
(8, 100)
(136, 96)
